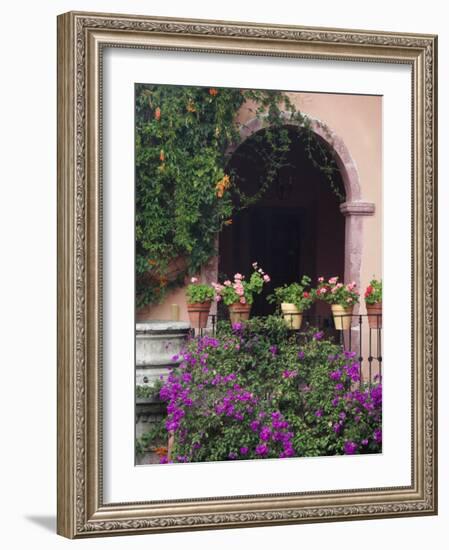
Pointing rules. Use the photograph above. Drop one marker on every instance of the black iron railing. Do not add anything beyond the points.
(358, 333)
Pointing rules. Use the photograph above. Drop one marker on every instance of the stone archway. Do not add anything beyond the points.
(354, 208)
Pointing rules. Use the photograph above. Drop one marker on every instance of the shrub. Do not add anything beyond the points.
(296, 293)
(256, 392)
(373, 292)
(240, 290)
(198, 292)
(334, 292)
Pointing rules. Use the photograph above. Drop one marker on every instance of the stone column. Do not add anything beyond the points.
(157, 342)
(354, 211)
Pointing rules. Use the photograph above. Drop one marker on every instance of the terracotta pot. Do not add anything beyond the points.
(374, 315)
(239, 312)
(342, 316)
(198, 313)
(292, 315)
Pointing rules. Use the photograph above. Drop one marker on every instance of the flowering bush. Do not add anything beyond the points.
(256, 392)
(334, 292)
(198, 292)
(298, 294)
(347, 420)
(240, 290)
(373, 292)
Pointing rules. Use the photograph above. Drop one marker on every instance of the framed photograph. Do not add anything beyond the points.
(246, 274)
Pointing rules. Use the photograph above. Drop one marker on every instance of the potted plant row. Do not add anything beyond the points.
(293, 299)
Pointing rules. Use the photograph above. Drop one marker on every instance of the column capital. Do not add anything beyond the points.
(357, 208)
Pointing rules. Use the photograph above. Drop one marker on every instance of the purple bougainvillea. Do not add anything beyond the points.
(255, 392)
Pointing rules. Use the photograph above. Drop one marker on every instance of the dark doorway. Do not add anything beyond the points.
(295, 228)
(275, 236)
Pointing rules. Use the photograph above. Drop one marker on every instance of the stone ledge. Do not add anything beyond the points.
(357, 208)
(162, 327)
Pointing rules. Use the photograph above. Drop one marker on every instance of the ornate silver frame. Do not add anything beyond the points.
(81, 37)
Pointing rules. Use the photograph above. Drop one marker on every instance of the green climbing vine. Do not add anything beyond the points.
(185, 192)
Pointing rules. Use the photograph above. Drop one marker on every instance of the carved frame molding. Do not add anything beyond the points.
(81, 38)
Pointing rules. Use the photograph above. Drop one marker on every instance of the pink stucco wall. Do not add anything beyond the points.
(357, 121)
